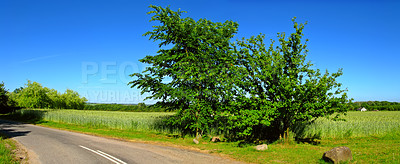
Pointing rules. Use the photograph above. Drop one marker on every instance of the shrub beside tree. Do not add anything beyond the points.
(281, 87)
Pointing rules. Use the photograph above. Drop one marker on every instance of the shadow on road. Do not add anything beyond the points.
(25, 115)
(10, 129)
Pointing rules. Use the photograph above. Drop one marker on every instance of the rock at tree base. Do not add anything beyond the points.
(215, 139)
(338, 154)
(262, 147)
(195, 141)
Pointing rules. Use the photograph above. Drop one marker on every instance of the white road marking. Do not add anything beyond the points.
(105, 155)
(122, 162)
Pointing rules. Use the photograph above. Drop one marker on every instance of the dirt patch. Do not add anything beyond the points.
(23, 155)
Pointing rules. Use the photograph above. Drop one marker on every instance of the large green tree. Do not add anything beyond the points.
(279, 81)
(247, 89)
(57, 101)
(33, 95)
(71, 100)
(188, 74)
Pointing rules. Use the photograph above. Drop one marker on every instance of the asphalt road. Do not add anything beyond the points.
(50, 146)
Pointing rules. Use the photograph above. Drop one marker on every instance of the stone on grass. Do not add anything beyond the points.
(338, 154)
(215, 139)
(195, 141)
(261, 147)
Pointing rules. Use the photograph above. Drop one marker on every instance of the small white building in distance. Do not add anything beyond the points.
(362, 109)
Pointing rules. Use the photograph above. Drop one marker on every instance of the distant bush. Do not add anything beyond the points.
(141, 107)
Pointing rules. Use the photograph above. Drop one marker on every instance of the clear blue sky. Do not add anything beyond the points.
(92, 46)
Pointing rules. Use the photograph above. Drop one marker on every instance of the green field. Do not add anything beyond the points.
(140, 121)
(357, 124)
(373, 137)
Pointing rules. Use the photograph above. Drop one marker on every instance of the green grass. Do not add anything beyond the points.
(141, 121)
(6, 154)
(144, 121)
(357, 124)
(364, 149)
(374, 137)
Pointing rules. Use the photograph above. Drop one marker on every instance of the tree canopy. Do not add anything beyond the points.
(280, 82)
(244, 89)
(186, 77)
(34, 95)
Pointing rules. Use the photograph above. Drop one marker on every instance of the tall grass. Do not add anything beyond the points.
(140, 121)
(357, 124)
(6, 155)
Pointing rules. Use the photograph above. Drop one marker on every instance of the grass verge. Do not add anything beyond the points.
(10, 153)
(364, 149)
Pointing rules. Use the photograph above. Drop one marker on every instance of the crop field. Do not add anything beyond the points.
(373, 137)
(141, 121)
(357, 124)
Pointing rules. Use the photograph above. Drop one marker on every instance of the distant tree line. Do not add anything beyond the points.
(3, 98)
(34, 95)
(375, 105)
(141, 107)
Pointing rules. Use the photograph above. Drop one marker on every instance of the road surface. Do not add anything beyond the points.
(49, 146)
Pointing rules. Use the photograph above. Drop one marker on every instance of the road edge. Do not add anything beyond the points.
(30, 156)
(166, 144)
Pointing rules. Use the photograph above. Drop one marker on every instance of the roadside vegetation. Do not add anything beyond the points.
(246, 92)
(374, 137)
(250, 90)
(7, 151)
(354, 124)
(140, 107)
(139, 121)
